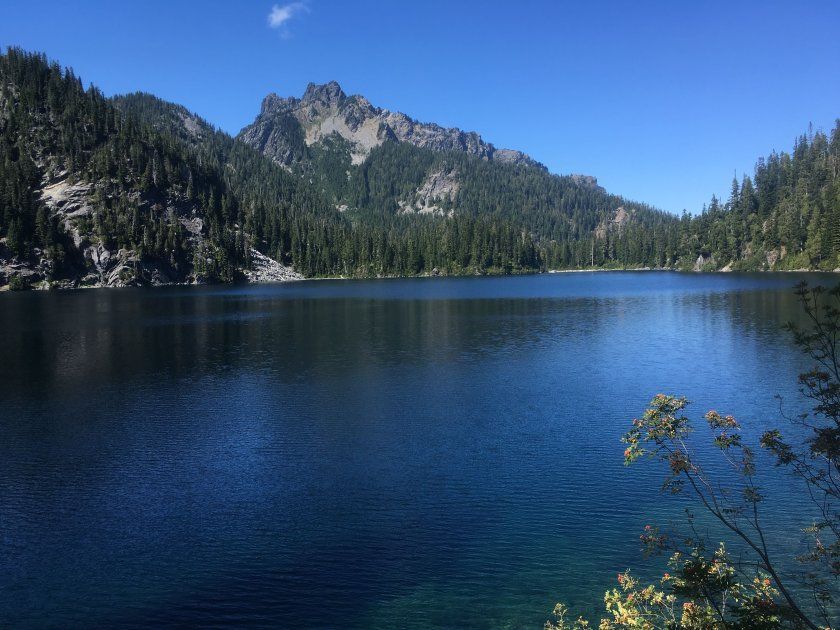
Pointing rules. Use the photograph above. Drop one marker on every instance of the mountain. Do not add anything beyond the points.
(133, 190)
(380, 168)
(285, 127)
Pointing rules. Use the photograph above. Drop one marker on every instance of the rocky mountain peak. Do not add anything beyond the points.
(329, 94)
(271, 103)
(325, 109)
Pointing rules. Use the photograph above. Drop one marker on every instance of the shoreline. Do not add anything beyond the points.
(694, 272)
(41, 288)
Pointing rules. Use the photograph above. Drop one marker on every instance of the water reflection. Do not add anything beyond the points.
(398, 452)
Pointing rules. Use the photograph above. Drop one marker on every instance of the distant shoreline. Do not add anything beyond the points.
(63, 287)
(692, 271)
(600, 269)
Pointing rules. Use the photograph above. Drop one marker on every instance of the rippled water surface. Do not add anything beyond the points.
(406, 453)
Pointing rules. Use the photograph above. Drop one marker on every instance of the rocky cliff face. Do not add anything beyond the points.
(285, 126)
(438, 188)
(90, 262)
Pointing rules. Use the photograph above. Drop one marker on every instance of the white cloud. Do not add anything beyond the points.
(281, 14)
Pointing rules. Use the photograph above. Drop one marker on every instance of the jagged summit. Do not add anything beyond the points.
(327, 93)
(286, 124)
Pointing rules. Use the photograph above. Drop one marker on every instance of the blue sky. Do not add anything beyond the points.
(661, 100)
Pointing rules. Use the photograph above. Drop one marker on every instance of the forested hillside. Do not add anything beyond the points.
(98, 191)
(574, 222)
(90, 196)
(787, 216)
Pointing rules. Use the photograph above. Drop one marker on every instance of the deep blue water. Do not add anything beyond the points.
(409, 453)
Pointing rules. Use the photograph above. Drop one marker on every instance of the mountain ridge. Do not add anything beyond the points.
(325, 109)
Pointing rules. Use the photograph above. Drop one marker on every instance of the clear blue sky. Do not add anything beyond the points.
(662, 101)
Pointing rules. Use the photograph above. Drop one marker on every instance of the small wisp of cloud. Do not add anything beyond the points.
(280, 15)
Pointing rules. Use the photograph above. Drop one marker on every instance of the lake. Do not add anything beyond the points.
(393, 453)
